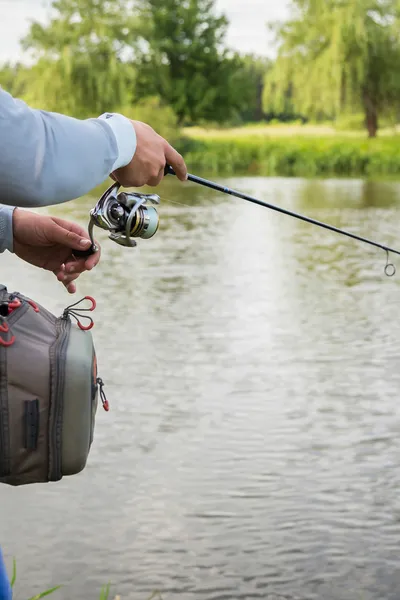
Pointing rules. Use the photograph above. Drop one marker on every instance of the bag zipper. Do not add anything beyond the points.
(57, 356)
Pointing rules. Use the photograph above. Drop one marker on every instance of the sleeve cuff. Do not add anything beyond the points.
(6, 228)
(125, 135)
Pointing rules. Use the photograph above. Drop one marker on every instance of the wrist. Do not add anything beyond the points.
(125, 136)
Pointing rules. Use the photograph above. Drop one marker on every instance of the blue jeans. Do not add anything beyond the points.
(5, 587)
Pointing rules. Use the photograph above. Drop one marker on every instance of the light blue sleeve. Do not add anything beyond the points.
(6, 229)
(47, 158)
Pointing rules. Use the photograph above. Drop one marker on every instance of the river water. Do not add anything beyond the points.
(252, 449)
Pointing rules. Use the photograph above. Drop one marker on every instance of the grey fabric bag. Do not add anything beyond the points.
(48, 391)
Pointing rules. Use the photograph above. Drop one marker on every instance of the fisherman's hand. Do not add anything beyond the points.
(152, 154)
(49, 242)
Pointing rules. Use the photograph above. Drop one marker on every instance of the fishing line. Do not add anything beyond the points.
(175, 202)
(389, 269)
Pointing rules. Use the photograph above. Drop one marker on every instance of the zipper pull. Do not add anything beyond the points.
(104, 400)
(77, 313)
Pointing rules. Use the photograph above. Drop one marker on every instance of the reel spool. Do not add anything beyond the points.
(126, 215)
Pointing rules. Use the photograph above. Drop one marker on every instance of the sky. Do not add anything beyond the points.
(247, 31)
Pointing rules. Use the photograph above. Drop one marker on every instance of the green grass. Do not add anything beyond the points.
(259, 149)
(104, 593)
(345, 127)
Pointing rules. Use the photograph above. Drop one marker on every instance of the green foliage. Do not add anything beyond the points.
(180, 57)
(295, 156)
(152, 111)
(335, 56)
(81, 66)
(11, 79)
(356, 122)
(47, 593)
(14, 574)
(38, 596)
(105, 592)
(247, 84)
(350, 122)
(101, 55)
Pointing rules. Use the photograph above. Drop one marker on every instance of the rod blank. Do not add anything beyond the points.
(231, 192)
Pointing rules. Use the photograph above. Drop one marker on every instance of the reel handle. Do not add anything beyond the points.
(84, 253)
(168, 170)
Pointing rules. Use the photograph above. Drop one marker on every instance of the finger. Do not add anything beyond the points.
(70, 277)
(60, 273)
(127, 179)
(79, 265)
(66, 236)
(65, 277)
(176, 161)
(67, 280)
(93, 259)
(73, 265)
(67, 283)
(71, 226)
(154, 181)
(71, 288)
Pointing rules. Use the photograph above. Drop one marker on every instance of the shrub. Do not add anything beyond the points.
(161, 117)
(296, 156)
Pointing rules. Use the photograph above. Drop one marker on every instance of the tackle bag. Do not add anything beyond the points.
(48, 390)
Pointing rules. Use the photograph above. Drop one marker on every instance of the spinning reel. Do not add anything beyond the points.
(125, 215)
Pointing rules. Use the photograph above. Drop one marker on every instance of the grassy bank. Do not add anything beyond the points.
(291, 151)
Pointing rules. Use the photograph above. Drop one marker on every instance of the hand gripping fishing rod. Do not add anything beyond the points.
(390, 269)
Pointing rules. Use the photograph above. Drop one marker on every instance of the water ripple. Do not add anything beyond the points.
(253, 443)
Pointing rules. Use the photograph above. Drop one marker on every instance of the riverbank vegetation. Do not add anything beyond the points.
(327, 103)
(291, 152)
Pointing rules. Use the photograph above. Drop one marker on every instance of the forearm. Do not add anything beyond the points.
(48, 158)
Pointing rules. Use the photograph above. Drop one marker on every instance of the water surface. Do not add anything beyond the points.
(252, 366)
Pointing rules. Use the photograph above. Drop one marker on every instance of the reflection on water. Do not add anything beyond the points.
(252, 448)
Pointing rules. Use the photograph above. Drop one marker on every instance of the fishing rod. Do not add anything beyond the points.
(389, 268)
(128, 215)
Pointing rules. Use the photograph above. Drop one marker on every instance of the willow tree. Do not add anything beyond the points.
(81, 57)
(335, 57)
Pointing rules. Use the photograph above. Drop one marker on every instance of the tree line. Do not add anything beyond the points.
(168, 60)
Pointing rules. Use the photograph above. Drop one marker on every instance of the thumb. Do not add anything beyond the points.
(65, 237)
